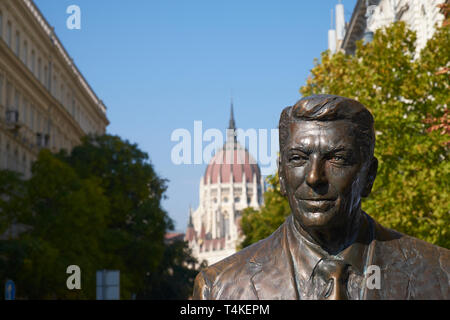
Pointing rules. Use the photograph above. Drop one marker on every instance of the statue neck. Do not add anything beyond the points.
(336, 237)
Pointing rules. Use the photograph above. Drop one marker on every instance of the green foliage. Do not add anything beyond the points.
(63, 215)
(403, 91)
(136, 222)
(174, 278)
(12, 189)
(98, 207)
(257, 225)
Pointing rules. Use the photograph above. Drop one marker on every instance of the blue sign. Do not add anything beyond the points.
(10, 290)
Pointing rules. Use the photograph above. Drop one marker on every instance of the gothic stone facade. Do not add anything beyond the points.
(232, 182)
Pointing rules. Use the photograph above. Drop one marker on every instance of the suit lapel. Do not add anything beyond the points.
(272, 277)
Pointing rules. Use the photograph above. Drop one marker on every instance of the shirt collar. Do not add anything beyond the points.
(306, 254)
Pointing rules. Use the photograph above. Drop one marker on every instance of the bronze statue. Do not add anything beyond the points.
(328, 248)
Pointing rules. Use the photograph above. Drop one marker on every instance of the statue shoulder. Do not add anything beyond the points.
(236, 266)
(412, 249)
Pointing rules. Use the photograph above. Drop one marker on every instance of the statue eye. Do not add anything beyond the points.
(297, 158)
(338, 159)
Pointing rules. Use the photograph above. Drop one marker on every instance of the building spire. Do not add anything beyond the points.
(190, 224)
(231, 131)
(232, 124)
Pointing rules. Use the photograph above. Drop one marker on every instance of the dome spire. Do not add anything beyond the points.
(190, 224)
(231, 131)
(232, 124)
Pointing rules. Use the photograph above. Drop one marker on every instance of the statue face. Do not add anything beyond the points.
(323, 173)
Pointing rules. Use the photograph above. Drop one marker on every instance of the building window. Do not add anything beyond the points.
(46, 77)
(1, 24)
(237, 199)
(32, 118)
(18, 43)
(33, 62)
(25, 53)
(1, 89)
(8, 33)
(24, 113)
(61, 98)
(55, 86)
(16, 100)
(8, 95)
(38, 122)
(39, 70)
(73, 106)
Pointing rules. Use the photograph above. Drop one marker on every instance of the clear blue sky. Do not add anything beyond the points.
(159, 65)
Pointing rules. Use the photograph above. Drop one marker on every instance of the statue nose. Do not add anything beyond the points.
(316, 175)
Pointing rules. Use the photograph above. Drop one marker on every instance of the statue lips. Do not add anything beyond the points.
(317, 205)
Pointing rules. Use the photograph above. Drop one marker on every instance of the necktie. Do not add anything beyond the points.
(329, 279)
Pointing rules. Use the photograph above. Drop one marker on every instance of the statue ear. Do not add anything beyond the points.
(281, 178)
(370, 179)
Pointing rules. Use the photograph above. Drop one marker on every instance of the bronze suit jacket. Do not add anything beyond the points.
(410, 269)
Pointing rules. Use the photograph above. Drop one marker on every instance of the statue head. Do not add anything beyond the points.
(326, 161)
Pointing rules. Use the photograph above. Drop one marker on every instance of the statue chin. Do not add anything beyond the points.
(315, 213)
(309, 219)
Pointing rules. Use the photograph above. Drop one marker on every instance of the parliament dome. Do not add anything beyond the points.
(232, 182)
(233, 160)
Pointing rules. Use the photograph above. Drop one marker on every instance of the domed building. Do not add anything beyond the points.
(232, 182)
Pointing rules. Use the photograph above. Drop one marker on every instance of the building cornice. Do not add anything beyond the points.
(68, 62)
(17, 65)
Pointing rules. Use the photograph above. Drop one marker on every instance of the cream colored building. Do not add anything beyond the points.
(232, 182)
(421, 16)
(45, 102)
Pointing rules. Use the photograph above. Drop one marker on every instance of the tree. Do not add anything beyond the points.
(259, 224)
(136, 223)
(12, 189)
(174, 278)
(407, 95)
(63, 215)
(98, 207)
